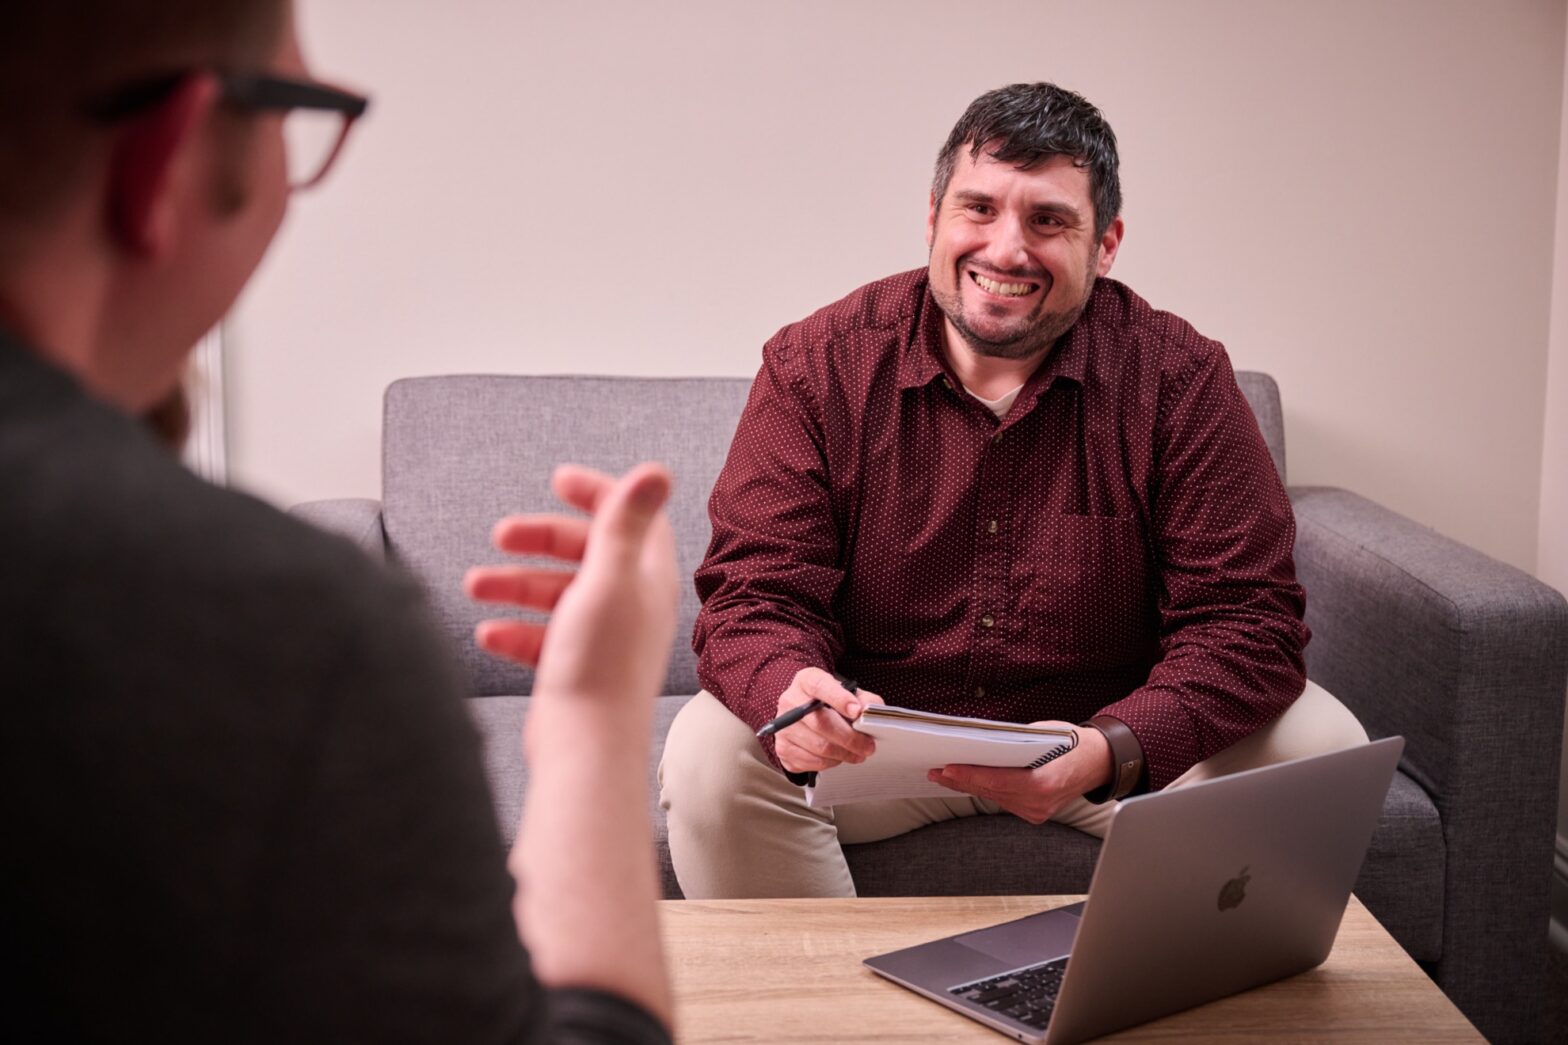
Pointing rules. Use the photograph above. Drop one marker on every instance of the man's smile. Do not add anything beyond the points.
(1002, 288)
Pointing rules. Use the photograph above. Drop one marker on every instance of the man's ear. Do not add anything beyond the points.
(147, 168)
(1110, 243)
(931, 219)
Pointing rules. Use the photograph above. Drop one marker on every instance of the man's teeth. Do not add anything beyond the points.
(1011, 290)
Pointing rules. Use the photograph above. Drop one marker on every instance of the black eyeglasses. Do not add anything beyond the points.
(316, 118)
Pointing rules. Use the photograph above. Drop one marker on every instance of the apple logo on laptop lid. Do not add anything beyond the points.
(1235, 890)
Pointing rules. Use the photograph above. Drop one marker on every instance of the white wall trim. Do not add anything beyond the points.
(206, 451)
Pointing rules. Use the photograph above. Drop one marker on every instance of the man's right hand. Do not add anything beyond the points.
(823, 739)
(608, 639)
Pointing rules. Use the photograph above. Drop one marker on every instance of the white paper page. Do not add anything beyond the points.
(906, 751)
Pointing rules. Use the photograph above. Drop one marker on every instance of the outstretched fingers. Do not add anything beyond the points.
(627, 542)
(525, 586)
(625, 515)
(581, 487)
(553, 536)
(516, 640)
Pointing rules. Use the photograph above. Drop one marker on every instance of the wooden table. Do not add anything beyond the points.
(789, 971)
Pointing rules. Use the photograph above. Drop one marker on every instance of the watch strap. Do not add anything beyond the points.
(1126, 760)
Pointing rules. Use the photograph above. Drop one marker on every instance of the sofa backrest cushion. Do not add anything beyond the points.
(460, 452)
(1262, 394)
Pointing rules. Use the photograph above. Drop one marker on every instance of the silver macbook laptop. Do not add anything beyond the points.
(1199, 893)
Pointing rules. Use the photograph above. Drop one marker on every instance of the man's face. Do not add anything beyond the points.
(237, 197)
(248, 189)
(1013, 253)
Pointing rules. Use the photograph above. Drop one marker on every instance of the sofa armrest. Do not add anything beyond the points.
(1467, 658)
(357, 518)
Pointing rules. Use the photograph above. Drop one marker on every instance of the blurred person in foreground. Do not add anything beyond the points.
(245, 802)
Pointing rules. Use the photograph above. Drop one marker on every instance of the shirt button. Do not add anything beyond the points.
(947, 384)
(979, 692)
(987, 621)
(997, 438)
(990, 527)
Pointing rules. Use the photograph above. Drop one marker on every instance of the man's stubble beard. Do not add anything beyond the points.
(1038, 331)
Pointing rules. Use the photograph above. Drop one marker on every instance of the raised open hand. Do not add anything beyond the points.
(612, 621)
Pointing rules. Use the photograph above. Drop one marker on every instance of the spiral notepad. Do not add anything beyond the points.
(910, 743)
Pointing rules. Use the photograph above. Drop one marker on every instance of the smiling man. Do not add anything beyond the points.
(1002, 486)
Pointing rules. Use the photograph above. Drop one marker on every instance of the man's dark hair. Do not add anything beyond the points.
(57, 55)
(1027, 123)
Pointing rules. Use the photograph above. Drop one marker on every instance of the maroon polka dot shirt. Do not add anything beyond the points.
(1119, 543)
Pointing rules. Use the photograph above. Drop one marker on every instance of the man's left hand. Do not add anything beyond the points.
(1036, 794)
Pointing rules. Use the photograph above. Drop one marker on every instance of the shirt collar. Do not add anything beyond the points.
(924, 360)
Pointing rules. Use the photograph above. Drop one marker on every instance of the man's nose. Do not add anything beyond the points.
(1008, 247)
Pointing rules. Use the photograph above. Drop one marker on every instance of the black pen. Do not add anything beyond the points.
(795, 714)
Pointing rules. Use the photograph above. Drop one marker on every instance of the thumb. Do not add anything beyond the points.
(622, 521)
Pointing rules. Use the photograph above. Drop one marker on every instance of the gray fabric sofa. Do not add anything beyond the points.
(1417, 634)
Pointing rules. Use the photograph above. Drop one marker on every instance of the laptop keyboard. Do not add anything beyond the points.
(1027, 995)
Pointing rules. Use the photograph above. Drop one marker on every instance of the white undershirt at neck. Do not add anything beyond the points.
(998, 406)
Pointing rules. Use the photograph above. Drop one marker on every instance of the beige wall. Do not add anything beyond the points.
(1352, 195)
(1552, 548)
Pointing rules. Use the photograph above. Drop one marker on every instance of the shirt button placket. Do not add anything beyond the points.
(991, 562)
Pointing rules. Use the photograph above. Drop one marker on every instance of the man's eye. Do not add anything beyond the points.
(980, 210)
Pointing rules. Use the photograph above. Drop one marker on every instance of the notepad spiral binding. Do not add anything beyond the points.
(1043, 759)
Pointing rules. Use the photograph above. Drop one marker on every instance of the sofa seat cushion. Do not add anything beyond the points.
(1402, 881)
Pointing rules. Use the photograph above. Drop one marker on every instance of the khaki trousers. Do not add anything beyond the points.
(739, 829)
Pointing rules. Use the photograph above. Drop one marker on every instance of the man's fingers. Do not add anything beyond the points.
(834, 730)
(516, 640)
(1008, 788)
(555, 536)
(517, 585)
(624, 516)
(798, 759)
(985, 781)
(993, 777)
(817, 684)
(947, 778)
(658, 552)
(832, 723)
(958, 779)
(865, 696)
(826, 731)
(810, 752)
(581, 487)
(623, 508)
(829, 747)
